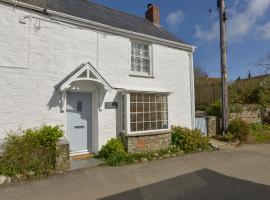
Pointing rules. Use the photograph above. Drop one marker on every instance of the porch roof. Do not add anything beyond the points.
(84, 72)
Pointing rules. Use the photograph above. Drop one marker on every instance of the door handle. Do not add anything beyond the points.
(78, 126)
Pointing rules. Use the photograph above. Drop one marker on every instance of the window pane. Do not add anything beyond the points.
(146, 97)
(133, 127)
(159, 125)
(153, 117)
(132, 107)
(152, 98)
(159, 116)
(165, 124)
(164, 98)
(132, 117)
(146, 47)
(139, 107)
(159, 107)
(133, 97)
(146, 117)
(147, 126)
(140, 117)
(79, 106)
(146, 107)
(139, 98)
(153, 125)
(140, 127)
(159, 98)
(164, 107)
(146, 54)
(152, 107)
(165, 116)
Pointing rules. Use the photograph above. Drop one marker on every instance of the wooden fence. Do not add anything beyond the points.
(207, 91)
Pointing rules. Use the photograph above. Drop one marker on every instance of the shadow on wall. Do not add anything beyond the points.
(118, 113)
(202, 184)
(55, 100)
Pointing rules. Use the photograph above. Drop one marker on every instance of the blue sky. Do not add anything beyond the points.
(248, 28)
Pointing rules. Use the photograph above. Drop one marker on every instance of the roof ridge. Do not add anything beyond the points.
(119, 11)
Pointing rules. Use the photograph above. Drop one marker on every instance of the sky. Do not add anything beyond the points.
(197, 23)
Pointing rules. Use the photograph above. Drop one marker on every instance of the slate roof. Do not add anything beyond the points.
(104, 15)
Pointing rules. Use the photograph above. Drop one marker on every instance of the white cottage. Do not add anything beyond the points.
(97, 71)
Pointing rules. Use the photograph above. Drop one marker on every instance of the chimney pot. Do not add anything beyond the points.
(152, 14)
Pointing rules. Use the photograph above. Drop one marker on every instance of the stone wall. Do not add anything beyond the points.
(147, 142)
(62, 155)
(212, 127)
(250, 113)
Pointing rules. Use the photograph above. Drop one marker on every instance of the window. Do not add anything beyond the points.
(140, 57)
(79, 106)
(148, 112)
(123, 114)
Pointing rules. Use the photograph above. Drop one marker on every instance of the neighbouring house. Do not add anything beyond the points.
(97, 71)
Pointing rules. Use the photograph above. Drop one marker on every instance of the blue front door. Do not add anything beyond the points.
(79, 121)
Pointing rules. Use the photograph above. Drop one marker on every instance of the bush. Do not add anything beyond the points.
(31, 152)
(215, 109)
(189, 141)
(239, 128)
(113, 147)
(229, 137)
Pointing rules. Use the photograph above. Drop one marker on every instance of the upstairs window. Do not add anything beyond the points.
(140, 58)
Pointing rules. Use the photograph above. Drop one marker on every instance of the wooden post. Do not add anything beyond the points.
(223, 50)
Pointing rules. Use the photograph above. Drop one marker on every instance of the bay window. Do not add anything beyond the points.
(147, 112)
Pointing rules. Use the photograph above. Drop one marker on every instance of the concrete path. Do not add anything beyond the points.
(237, 173)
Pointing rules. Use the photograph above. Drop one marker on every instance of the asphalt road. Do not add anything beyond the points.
(238, 173)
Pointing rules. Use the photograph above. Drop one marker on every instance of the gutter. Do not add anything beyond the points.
(101, 27)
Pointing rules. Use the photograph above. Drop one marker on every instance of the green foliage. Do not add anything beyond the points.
(215, 109)
(229, 137)
(239, 128)
(189, 141)
(114, 154)
(112, 150)
(254, 91)
(31, 151)
(260, 132)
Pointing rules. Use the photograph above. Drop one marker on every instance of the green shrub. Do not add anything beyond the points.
(239, 128)
(31, 152)
(113, 146)
(229, 137)
(215, 109)
(189, 141)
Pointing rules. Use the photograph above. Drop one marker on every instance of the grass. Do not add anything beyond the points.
(260, 133)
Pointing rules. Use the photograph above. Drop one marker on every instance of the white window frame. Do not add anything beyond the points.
(127, 115)
(144, 74)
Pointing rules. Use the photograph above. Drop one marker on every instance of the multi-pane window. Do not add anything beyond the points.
(148, 112)
(140, 57)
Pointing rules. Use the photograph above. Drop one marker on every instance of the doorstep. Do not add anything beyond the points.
(83, 156)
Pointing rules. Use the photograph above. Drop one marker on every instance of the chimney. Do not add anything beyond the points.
(152, 14)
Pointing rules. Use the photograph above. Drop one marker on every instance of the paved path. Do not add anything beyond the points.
(239, 173)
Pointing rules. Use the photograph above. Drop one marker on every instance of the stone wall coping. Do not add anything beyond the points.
(148, 133)
(62, 141)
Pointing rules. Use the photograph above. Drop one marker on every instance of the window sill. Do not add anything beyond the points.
(157, 132)
(141, 76)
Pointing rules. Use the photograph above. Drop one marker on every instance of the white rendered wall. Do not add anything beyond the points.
(35, 56)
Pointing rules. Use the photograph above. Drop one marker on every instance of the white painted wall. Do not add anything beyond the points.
(35, 56)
